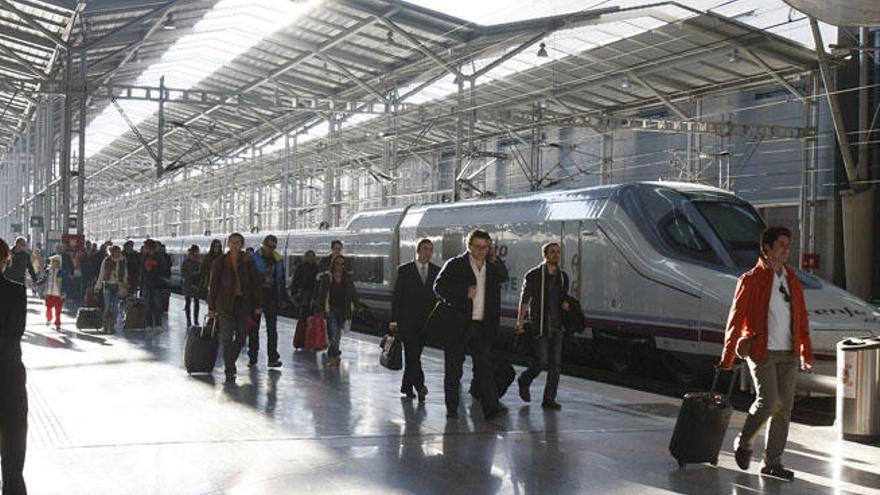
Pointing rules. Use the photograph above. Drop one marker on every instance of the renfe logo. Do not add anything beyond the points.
(845, 311)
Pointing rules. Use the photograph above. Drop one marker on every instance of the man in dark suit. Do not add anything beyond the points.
(472, 288)
(412, 303)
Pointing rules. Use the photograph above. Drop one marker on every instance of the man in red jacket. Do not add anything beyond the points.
(768, 327)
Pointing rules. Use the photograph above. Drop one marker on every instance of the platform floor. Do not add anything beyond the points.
(119, 415)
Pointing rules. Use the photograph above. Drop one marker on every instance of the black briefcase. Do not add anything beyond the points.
(392, 353)
(701, 426)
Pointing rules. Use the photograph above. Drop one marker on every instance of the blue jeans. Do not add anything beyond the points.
(153, 302)
(111, 306)
(335, 324)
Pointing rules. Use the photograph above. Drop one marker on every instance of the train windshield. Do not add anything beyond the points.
(738, 226)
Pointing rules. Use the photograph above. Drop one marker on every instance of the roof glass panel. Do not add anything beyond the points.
(228, 30)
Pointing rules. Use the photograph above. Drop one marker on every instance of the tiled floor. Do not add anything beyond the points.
(119, 415)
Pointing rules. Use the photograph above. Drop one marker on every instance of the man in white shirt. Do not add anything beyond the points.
(768, 326)
(472, 288)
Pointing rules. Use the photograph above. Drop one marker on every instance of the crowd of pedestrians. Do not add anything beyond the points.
(245, 289)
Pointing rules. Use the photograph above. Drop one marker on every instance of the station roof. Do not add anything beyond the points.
(288, 70)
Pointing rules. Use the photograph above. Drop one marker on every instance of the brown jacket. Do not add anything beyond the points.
(221, 288)
(748, 316)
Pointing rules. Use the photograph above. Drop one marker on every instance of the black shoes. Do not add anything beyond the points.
(743, 458)
(778, 472)
(551, 404)
(407, 391)
(742, 455)
(230, 379)
(252, 363)
(275, 364)
(524, 393)
(497, 413)
(422, 393)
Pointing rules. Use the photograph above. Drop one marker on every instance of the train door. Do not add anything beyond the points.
(570, 240)
(590, 290)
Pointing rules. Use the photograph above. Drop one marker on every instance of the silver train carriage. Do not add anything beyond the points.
(653, 263)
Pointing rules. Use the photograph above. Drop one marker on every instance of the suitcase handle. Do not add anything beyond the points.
(735, 371)
(205, 326)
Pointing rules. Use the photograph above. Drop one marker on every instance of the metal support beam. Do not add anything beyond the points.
(660, 96)
(160, 139)
(836, 115)
(353, 78)
(81, 153)
(420, 47)
(769, 70)
(35, 24)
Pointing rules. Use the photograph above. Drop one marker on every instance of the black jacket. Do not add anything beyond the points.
(153, 271)
(531, 294)
(21, 262)
(413, 300)
(350, 294)
(13, 317)
(452, 287)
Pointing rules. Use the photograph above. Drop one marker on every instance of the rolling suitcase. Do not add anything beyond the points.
(89, 318)
(701, 426)
(503, 375)
(316, 332)
(299, 334)
(201, 347)
(135, 314)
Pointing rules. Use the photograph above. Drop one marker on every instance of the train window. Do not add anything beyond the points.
(682, 236)
(738, 226)
(367, 269)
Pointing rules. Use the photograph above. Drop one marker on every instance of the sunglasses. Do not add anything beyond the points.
(785, 293)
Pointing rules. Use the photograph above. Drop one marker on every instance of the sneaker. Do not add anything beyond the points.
(778, 472)
(58, 327)
(407, 392)
(230, 378)
(497, 413)
(741, 454)
(551, 404)
(524, 392)
(422, 393)
(275, 364)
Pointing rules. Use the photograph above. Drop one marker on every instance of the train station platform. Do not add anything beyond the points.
(119, 415)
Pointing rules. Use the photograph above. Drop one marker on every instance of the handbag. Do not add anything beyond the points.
(573, 320)
(392, 352)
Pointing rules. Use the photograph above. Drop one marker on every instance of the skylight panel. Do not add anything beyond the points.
(227, 31)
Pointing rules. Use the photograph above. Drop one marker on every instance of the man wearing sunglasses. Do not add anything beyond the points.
(768, 327)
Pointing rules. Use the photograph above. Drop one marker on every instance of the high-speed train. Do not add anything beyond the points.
(653, 263)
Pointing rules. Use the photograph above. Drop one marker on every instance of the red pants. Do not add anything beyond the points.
(53, 302)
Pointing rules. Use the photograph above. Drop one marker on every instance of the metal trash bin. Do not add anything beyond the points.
(858, 388)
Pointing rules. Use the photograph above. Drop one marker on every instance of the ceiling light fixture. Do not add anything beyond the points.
(389, 38)
(625, 82)
(542, 50)
(733, 56)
